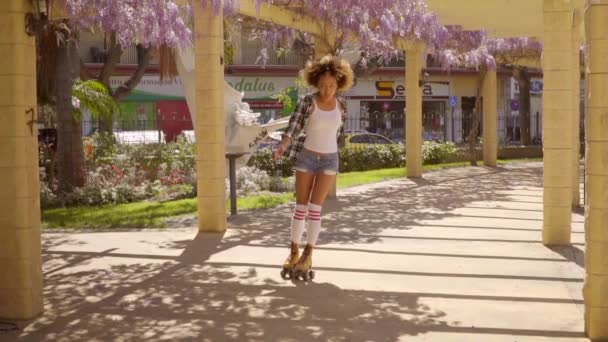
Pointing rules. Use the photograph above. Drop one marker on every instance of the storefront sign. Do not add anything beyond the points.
(394, 90)
(265, 104)
(259, 87)
(150, 87)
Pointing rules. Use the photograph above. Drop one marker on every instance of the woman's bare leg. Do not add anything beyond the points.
(304, 183)
(323, 183)
(320, 189)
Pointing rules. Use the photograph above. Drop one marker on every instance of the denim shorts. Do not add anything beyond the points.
(308, 161)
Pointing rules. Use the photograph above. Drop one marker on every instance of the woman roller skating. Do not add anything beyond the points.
(311, 140)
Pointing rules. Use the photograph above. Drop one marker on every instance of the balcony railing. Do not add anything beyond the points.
(250, 57)
(129, 55)
(96, 54)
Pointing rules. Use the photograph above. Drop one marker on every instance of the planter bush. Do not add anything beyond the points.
(436, 153)
(371, 157)
(262, 160)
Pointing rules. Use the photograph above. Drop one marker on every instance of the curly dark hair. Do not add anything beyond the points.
(335, 66)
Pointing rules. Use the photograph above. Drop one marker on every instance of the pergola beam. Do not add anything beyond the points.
(496, 16)
(283, 16)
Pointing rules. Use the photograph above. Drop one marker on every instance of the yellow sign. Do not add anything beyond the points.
(387, 89)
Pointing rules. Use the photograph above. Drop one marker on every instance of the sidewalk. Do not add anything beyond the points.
(455, 256)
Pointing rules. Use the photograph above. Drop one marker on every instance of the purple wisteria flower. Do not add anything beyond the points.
(374, 24)
(146, 22)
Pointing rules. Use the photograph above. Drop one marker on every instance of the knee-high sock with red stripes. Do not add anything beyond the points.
(314, 223)
(298, 223)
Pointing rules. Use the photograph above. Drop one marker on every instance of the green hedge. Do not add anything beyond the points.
(371, 157)
(437, 153)
(363, 158)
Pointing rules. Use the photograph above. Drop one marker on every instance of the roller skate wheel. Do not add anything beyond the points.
(286, 273)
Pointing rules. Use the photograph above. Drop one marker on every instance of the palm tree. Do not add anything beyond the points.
(93, 96)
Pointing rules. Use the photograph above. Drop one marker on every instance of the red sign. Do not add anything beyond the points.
(174, 118)
(265, 104)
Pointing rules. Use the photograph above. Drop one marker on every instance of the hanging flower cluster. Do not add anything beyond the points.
(508, 49)
(374, 24)
(465, 49)
(473, 49)
(146, 22)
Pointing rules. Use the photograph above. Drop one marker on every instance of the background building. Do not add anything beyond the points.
(375, 104)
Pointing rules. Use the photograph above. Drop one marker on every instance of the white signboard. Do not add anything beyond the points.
(536, 87)
(259, 87)
(151, 85)
(253, 87)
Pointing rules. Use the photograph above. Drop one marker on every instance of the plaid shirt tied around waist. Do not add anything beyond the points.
(297, 123)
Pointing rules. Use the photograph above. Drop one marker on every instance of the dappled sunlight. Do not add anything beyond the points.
(187, 301)
(396, 260)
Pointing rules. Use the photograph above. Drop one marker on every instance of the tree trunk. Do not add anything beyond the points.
(70, 155)
(85, 75)
(143, 60)
(477, 113)
(523, 81)
(114, 53)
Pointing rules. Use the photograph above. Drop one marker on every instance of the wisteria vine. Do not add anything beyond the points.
(375, 24)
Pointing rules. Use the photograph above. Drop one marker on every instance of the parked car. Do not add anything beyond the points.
(366, 139)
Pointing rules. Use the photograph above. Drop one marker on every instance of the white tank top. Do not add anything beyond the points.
(322, 129)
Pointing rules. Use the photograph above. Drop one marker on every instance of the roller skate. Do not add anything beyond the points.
(303, 268)
(290, 262)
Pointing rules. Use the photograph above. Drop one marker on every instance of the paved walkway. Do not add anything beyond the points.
(455, 256)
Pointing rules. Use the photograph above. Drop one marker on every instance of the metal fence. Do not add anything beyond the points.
(142, 131)
(442, 127)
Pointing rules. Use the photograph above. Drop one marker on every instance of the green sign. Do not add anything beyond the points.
(137, 116)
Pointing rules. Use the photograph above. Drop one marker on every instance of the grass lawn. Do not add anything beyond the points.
(153, 214)
(143, 214)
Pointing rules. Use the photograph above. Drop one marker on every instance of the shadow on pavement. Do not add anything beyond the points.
(121, 295)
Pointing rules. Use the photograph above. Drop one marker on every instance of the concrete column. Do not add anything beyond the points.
(576, 112)
(20, 251)
(210, 121)
(596, 219)
(490, 119)
(557, 128)
(414, 62)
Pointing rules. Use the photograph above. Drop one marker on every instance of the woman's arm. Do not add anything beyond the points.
(341, 137)
(294, 127)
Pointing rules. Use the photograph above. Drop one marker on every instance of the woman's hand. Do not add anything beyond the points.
(278, 153)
